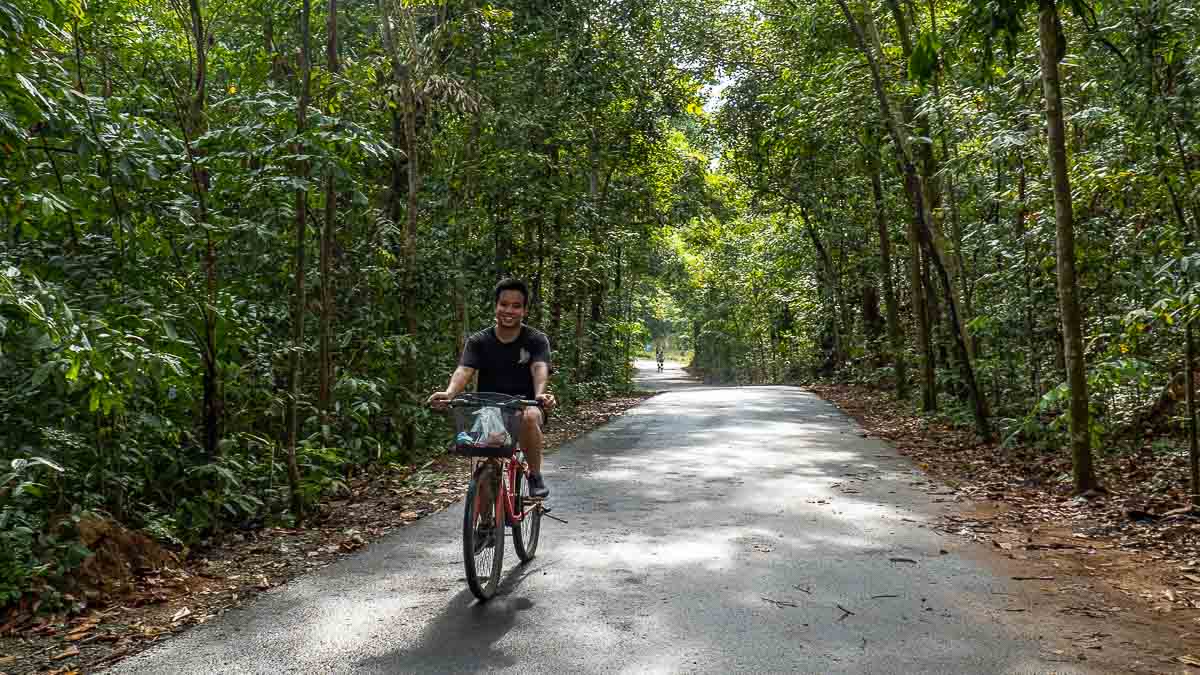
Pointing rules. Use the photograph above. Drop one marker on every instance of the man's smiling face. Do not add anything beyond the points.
(510, 309)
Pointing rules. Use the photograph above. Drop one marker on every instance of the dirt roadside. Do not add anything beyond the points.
(168, 600)
(1110, 583)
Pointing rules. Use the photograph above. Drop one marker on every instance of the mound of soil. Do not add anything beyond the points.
(119, 557)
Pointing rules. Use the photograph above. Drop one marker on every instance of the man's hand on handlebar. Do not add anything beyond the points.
(547, 401)
(439, 399)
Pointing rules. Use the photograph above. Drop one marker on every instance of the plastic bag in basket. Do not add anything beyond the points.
(487, 429)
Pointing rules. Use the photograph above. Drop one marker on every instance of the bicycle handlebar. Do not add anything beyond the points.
(496, 399)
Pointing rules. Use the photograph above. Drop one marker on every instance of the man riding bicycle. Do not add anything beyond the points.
(511, 358)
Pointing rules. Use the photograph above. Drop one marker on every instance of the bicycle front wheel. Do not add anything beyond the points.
(526, 530)
(483, 531)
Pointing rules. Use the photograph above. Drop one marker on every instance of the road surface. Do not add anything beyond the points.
(712, 530)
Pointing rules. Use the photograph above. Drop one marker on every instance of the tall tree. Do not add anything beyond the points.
(329, 226)
(1052, 50)
(299, 289)
(895, 334)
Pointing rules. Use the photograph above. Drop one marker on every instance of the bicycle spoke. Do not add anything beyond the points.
(483, 533)
(527, 530)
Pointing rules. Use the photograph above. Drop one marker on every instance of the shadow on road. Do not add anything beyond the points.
(464, 635)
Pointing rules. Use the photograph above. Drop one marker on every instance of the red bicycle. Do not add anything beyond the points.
(486, 427)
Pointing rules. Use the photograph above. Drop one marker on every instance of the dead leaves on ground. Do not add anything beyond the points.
(1121, 537)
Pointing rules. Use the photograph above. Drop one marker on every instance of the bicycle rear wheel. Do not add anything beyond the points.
(483, 531)
(525, 531)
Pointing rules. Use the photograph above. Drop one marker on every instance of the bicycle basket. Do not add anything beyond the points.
(486, 430)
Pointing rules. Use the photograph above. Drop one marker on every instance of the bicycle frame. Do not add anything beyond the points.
(506, 500)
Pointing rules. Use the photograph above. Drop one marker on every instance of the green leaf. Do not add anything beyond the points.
(41, 373)
(35, 489)
(923, 63)
(32, 90)
(46, 462)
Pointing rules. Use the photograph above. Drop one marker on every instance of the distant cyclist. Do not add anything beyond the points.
(511, 358)
(659, 356)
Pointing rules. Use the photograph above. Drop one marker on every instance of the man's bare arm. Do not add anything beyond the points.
(541, 377)
(458, 382)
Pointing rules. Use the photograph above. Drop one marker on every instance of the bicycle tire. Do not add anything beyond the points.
(527, 531)
(483, 568)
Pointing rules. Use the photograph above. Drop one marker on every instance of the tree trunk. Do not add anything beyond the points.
(1081, 448)
(895, 337)
(1193, 432)
(577, 347)
(405, 180)
(1189, 358)
(954, 259)
(1190, 328)
(596, 283)
(194, 127)
(595, 362)
(873, 324)
(827, 284)
(539, 302)
(325, 397)
(556, 267)
(920, 311)
(411, 289)
(1020, 230)
(501, 240)
(298, 304)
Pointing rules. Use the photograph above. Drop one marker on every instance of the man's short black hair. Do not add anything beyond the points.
(512, 285)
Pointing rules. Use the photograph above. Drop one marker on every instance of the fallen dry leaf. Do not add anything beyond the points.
(780, 603)
(181, 614)
(5, 660)
(68, 653)
(1189, 660)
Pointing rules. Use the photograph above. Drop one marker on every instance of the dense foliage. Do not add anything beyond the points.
(242, 241)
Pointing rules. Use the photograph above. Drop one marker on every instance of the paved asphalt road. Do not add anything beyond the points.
(711, 530)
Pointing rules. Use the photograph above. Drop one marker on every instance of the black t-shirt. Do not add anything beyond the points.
(506, 368)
